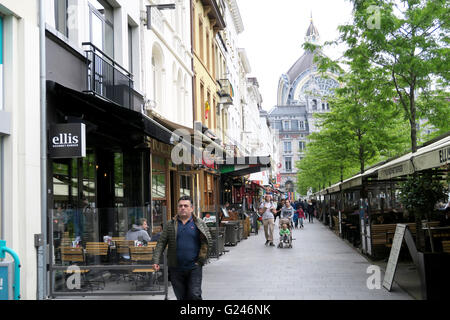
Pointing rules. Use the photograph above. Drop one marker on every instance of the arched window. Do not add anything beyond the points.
(180, 99)
(157, 75)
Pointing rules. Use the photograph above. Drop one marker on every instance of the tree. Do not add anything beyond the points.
(410, 43)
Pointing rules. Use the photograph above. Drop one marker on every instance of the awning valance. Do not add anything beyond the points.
(432, 156)
(118, 120)
(241, 170)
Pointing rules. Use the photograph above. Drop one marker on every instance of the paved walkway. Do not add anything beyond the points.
(319, 266)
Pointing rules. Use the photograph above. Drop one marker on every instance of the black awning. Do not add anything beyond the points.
(258, 160)
(242, 170)
(120, 122)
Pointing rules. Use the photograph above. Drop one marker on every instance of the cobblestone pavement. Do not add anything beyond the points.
(320, 266)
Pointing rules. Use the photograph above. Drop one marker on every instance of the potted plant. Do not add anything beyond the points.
(419, 194)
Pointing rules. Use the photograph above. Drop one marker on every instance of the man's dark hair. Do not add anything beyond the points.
(186, 198)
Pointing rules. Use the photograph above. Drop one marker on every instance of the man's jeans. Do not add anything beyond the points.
(187, 284)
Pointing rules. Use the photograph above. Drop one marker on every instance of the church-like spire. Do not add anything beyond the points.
(312, 34)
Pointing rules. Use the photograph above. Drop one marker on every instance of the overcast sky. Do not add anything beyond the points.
(274, 32)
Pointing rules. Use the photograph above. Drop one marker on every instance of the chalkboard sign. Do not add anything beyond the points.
(393, 256)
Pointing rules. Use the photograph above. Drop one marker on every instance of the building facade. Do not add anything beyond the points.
(302, 93)
(121, 77)
(20, 217)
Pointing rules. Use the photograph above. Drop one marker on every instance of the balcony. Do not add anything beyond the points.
(108, 79)
(225, 91)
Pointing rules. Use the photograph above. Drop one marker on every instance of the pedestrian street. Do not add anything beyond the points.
(320, 266)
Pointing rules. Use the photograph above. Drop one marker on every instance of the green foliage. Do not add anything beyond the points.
(396, 73)
(419, 194)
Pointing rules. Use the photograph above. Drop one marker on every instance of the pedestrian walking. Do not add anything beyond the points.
(280, 205)
(295, 219)
(188, 241)
(301, 217)
(310, 209)
(268, 209)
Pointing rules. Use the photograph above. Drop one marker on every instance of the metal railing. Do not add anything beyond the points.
(107, 78)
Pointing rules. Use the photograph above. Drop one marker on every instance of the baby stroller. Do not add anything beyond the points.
(286, 240)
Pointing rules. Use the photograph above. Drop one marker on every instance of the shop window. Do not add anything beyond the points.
(185, 185)
(158, 185)
(209, 201)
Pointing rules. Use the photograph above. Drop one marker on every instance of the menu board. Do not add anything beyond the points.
(393, 256)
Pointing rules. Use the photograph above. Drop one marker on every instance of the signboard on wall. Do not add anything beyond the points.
(209, 218)
(67, 140)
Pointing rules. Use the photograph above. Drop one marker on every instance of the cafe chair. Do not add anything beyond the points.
(96, 252)
(122, 254)
(143, 255)
(76, 256)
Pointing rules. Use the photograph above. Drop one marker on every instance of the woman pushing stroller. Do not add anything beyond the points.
(286, 225)
(287, 213)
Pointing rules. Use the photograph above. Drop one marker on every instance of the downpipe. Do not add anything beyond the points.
(41, 239)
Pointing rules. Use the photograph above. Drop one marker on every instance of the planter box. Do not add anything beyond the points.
(434, 275)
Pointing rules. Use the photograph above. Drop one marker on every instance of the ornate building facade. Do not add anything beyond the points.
(302, 92)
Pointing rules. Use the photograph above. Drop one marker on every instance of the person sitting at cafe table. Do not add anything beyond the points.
(157, 235)
(138, 232)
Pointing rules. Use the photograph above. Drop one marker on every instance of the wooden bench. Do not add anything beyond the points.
(446, 246)
(383, 234)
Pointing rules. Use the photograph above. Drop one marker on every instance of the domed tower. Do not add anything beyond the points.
(302, 92)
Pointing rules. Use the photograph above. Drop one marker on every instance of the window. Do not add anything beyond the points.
(102, 26)
(277, 125)
(157, 74)
(61, 16)
(286, 125)
(185, 185)
(130, 48)
(301, 145)
(207, 51)
(302, 125)
(288, 164)
(200, 37)
(287, 146)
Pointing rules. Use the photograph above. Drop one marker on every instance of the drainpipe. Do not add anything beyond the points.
(143, 53)
(41, 244)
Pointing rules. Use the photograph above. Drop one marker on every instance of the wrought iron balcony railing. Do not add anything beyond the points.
(107, 78)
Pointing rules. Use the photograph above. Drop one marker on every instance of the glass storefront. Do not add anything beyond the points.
(97, 200)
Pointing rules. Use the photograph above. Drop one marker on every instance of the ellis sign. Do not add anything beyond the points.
(67, 141)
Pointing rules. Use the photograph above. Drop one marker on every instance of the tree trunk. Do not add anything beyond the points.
(412, 120)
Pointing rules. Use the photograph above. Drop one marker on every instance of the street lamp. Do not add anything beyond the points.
(159, 7)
